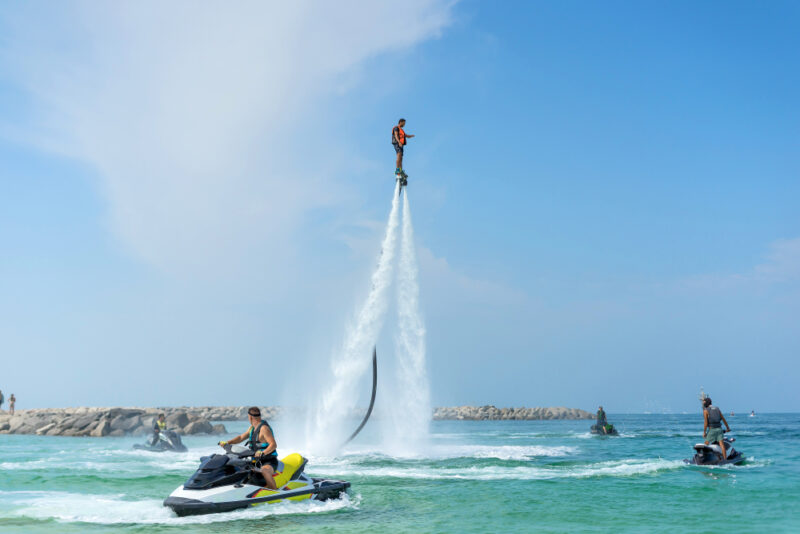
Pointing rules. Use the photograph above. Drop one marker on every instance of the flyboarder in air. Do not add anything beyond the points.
(399, 137)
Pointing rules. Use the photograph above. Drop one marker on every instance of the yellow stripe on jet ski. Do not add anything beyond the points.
(289, 466)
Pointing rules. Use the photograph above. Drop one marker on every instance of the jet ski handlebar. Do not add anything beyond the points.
(228, 448)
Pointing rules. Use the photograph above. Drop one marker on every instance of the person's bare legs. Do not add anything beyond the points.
(722, 447)
(267, 473)
(399, 160)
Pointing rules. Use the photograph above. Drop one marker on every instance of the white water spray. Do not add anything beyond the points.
(410, 408)
(351, 363)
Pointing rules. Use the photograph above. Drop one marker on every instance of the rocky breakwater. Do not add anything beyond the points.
(492, 413)
(100, 422)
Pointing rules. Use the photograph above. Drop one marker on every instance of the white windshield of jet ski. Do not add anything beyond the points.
(715, 446)
(238, 450)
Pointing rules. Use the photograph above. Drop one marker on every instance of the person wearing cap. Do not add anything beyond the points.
(399, 137)
(712, 427)
(259, 438)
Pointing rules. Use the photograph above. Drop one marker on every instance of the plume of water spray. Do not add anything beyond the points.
(353, 360)
(410, 408)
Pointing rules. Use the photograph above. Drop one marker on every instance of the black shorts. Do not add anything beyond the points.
(398, 148)
(271, 460)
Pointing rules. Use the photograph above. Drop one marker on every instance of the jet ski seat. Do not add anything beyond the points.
(289, 468)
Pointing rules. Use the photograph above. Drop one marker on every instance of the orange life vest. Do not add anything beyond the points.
(400, 135)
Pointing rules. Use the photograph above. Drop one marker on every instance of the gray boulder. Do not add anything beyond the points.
(43, 430)
(198, 427)
(177, 420)
(16, 423)
(102, 429)
(85, 421)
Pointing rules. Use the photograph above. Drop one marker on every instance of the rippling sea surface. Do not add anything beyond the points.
(490, 476)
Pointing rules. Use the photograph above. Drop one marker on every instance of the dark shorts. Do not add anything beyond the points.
(398, 148)
(271, 460)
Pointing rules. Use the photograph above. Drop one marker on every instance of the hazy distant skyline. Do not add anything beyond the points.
(605, 198)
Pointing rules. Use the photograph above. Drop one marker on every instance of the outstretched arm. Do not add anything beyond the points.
(238, 439)
(705, 422)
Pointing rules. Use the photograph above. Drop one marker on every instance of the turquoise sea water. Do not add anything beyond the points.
(515, 476)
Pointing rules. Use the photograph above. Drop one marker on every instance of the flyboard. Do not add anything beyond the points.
(402, 179)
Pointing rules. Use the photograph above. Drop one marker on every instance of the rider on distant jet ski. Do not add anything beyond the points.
(712, 429)
(602, 423)
(260, 439)
(159, 425)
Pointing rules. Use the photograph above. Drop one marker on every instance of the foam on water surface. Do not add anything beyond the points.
(117, 509)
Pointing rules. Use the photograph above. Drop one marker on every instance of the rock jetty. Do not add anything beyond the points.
(100, 422)
(492, 413)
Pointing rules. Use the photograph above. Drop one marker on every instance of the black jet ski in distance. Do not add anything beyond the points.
(600, 430)
(167, 440)
(712, 455)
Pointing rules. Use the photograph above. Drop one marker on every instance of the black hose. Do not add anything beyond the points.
(371, 400)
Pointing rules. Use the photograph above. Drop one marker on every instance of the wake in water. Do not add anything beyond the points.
(66, 507)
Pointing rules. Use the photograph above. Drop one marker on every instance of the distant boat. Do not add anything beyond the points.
(752, 413)
(732, 414)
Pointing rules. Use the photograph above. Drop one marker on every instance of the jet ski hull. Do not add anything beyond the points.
(701, 460)
(167, 441)
(595, 430)
(151, 448)
(226, 482)
(321, 490)
(712, 455)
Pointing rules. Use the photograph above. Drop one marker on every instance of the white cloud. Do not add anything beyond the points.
(783, 262)
(449, 284)
(198, 117)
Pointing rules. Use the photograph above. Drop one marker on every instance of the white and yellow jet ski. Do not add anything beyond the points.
(226, 482)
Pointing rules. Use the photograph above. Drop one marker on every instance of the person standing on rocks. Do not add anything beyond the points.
(11, 401)
(260, 439)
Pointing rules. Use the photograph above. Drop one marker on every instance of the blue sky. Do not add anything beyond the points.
(605, 198)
